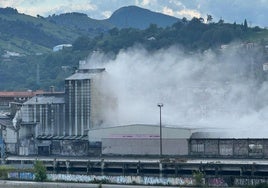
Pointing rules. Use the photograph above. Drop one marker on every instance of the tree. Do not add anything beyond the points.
(184, 20)
(81, 43)
(209, 18)
(40, 171)
(235, 25)
(114, 31)
(201, 19)
(245, 26)
(221, 21)
(199, 178)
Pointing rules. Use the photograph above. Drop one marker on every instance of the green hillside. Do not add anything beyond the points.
(28, 35)
(37, 67)
(258, 36)
(139, 18)
(81, 23)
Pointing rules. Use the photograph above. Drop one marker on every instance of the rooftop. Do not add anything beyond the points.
(20, 93)
(45, 100)
(83, 74)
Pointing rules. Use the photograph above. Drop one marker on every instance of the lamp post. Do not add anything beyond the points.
(160, 105)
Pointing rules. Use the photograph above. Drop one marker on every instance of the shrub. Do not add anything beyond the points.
(198, 177)
(40, 171)
(4, 171)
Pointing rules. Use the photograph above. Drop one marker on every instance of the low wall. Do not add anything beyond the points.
(138, 180)
(122, 179)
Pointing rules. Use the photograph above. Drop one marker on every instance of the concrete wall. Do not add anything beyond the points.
(143, 146)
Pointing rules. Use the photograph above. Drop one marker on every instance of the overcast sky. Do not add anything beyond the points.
(255, 11)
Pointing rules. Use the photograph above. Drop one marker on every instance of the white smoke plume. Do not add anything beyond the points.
(210, 89)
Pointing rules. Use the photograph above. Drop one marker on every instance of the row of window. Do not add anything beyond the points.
(227, 149)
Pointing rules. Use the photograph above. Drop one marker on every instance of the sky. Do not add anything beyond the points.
(255, 11)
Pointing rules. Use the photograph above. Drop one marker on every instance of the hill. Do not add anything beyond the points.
(23, 34)
(140, 18)
(81, 23)
(26, 34)
(125, 17)
(29, 35)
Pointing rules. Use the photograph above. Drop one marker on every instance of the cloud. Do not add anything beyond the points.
(168, 11)
(145, 2)
(107, 14)
(10, 3)
(229, 10)
(237, 10)
(49, 7)
(189, 13)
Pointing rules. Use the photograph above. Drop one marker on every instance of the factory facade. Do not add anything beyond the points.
(80, 97)
(57, 123)
(71, 123)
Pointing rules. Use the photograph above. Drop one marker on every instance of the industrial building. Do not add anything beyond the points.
(140, 139)
(8, 97)
(82, 101)
(222, 145)
(56, 123)
(72, 123)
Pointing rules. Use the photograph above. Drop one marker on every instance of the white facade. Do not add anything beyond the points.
(138, 131)
(141, 140)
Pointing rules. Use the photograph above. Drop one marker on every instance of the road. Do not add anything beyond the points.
(30, 184)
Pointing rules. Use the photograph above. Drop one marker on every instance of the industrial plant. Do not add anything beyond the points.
(72, 123)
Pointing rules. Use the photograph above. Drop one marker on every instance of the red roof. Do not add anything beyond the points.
(20, 93)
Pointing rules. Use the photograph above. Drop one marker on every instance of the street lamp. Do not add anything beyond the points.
(160, 105)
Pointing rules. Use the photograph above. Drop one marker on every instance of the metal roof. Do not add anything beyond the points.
(19, 93)
(84, 74)
(45, 100)
(81, 76)
(5, 121)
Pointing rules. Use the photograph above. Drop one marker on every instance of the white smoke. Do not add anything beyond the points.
(210, 89)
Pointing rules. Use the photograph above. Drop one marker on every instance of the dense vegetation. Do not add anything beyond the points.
(43, 70)
(191, 35)
(30, 35)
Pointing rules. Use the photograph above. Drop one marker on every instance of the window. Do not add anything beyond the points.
(255, 148)
(198, 147)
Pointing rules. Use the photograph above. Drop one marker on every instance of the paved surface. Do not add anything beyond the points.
(28, 184)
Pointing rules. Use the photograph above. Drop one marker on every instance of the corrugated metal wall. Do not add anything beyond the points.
(144, 146)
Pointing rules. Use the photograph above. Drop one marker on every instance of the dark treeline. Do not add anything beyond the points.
(192, 35)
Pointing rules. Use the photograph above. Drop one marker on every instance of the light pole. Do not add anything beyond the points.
(160, 105)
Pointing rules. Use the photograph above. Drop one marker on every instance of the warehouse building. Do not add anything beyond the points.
(139, 139)
(227, 145)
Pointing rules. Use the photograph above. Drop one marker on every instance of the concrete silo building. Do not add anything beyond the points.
(83, 101)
